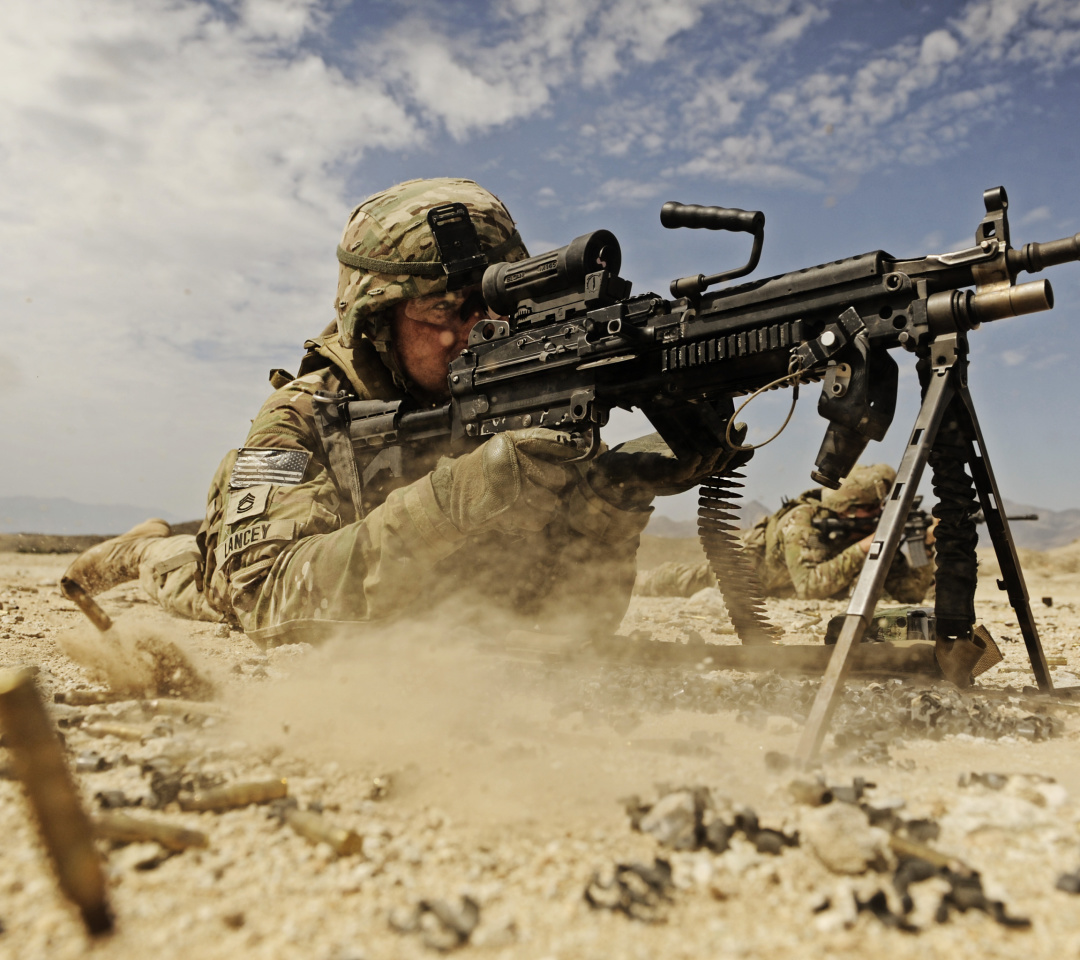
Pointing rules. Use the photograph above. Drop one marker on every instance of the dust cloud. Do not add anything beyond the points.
(479, 734)
(139, 655)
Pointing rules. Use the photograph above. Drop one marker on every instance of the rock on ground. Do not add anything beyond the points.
(500, 782)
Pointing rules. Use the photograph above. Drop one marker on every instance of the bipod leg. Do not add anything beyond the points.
(939, 393)
(997, 524)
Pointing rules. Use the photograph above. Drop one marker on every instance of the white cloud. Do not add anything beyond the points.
(1045, 34)
(173, 189)
(175, 170)
(915, 101)
(456, 93)
(621, 191)
(1038, 215)
(937, 48)
(789, 29)
(472, 80)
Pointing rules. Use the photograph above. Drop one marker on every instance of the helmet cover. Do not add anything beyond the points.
(391, 228)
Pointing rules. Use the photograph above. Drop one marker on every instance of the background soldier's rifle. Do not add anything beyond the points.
(915, 528)
(577, 344)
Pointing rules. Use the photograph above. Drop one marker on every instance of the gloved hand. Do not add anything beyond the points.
(513, 482)
(631, 474)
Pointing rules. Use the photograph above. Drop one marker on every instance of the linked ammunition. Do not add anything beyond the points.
(38, 761)
(120, 828)
(236, 795)
(313, 827)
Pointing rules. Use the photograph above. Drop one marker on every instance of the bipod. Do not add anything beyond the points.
(946, 400)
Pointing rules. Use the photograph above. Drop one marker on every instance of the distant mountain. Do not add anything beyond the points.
(660, 526)
(1054, 528)
(64, 517)
(58, 515)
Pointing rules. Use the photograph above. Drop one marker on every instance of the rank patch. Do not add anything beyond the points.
(247, 502)
(255, 465)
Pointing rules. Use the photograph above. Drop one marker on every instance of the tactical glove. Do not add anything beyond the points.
(631, 474)
(512, 483)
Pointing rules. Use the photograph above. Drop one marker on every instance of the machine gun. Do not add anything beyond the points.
(576, 344)
(915, 527)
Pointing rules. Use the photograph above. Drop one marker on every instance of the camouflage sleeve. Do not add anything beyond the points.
(392, 561)
(293, 569)
(674, 579)
(289, 563)
(815, 574)
(906, 583)
(262, 521)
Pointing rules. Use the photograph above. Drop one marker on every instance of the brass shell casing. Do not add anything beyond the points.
(314, 828)
(121, 828)
(38, 761)
(236, 795)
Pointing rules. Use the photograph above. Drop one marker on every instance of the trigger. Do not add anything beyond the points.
(589, 443)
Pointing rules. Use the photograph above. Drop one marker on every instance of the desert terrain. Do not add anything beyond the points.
(508, 805)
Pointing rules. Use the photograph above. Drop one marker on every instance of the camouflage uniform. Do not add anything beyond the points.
(330, 539)
(674, 578)
(793, 558)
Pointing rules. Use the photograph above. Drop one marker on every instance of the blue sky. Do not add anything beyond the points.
(176, 176)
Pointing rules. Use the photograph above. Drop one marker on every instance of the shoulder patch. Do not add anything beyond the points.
(255, 465)
(247, 502)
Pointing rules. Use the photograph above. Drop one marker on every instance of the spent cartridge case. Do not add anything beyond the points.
(113, 728)
(903, 847)
(76, 594)
(183, 708)
(38, 761)
(315, 828)
(236, 795)
(86, 698)
(120, 828)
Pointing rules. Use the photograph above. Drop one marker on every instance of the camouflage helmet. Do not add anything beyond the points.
(391, 228)
(865, 486)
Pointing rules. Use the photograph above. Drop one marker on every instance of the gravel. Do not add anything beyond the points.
(489, 798)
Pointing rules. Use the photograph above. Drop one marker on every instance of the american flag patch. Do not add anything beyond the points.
(255, 465)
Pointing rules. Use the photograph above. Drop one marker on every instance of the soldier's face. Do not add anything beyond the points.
(429, 332)
(862, 511)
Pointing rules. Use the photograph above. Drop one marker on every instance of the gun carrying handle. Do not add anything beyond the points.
(692, 215)
(696, 217)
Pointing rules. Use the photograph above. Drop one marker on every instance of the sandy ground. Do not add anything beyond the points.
(503, 781)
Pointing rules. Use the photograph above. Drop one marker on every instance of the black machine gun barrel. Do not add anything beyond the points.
(577, 344)
(570, 343)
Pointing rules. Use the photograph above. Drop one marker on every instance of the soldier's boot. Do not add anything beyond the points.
(115, 561)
